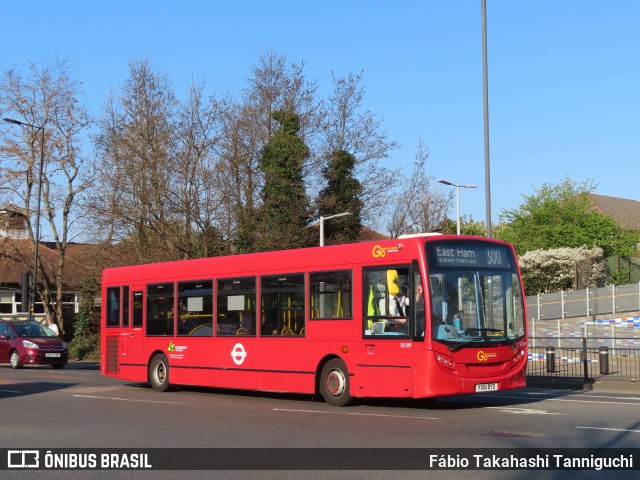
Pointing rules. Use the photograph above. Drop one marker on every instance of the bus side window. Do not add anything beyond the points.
(236, 307)
(160, 316)
(283, 305)
(195, 308)
(330, 295)
(387, 300)
(125, 306)
(113, 307)
(418, 304)
(136, 309)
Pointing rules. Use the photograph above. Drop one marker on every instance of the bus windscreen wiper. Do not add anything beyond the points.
(494, 330)
(454, 347)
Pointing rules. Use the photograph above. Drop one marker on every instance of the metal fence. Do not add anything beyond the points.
(587, 361)
(591, 302)
(591, 334)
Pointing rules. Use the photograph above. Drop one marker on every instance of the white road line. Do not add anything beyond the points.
(10, 391)
(555, 399)
(128, 399)
(610, 429)
(553, 395)
(352, 413)
(525, 411)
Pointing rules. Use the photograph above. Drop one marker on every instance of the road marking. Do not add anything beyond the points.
(525, 411)
(352, 413)
(550, 395)
(128, 399)
(555, 399)
(610, 429)
(10, 391)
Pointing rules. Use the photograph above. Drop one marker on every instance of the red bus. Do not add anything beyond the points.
(419, 316)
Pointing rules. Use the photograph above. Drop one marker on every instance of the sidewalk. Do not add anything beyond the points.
(82, 365)
(582, 384)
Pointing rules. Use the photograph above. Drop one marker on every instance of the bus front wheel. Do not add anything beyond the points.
(334, 383)
(159, 373)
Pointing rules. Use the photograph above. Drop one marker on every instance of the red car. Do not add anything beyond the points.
(30, 343)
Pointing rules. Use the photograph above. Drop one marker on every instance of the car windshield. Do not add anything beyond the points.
(32, 329)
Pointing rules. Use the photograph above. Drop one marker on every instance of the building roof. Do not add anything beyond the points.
(16, 256)
(625, 211)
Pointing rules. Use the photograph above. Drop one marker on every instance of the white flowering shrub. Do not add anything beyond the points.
(549, 271)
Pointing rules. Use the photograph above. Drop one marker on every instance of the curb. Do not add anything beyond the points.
(82, 365)
(582, 384)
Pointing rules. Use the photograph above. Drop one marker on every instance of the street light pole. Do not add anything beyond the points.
(322, 219)
(458, 187)
(485, 82)
(32, 291)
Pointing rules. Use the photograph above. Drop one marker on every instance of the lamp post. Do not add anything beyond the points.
(485, 95)
(37, 233)
(322, 219)
(458, 187)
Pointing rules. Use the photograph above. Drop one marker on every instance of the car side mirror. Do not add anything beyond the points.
(3, 337)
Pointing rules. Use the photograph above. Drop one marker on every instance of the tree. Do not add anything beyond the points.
(197, 194)
(86, 338)
(561, 215)
(548, 271)
(136, 163)
(348, 128)
(284, 215)
(160, 183)
(46, 96)
(248, 125)
(468, 226)
(417, 207)
(342, 194)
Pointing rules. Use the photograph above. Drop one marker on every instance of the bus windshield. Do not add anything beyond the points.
(475, 293)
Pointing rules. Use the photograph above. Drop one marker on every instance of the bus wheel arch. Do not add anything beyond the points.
(159, 372)
(333, 382)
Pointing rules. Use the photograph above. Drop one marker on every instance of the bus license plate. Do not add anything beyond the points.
(56, 355)
(486, 387)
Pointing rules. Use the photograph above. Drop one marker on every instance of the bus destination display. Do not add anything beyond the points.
(469, 254)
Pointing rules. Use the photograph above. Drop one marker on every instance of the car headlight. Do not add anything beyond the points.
(29, 344)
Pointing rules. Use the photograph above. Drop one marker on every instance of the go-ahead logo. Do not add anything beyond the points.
(380, 252)
(484, 356)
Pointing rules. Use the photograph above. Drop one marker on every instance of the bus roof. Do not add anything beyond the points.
(378, 252)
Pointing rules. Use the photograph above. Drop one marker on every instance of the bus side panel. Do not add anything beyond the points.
(287, 365)
(189, 360)
(385, 368)
(383, 381)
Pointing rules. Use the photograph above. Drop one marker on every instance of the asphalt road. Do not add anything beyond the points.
(78, 408)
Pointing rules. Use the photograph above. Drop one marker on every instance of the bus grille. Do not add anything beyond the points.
(112, 355)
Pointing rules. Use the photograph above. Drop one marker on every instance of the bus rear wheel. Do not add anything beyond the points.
(334, 383)
(159, 373)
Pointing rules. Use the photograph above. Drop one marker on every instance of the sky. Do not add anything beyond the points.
(563, 75)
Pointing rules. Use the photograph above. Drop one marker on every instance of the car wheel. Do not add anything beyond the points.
(15, 360)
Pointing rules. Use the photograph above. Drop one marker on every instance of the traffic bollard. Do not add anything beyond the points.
(551, 359)
(604, 360)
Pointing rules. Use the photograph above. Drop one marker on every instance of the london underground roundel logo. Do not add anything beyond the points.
(238, 354)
